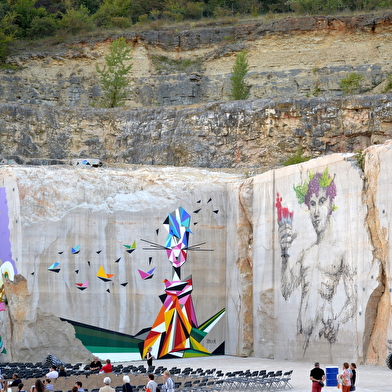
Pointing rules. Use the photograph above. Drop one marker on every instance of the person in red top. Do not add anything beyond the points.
(107, 368)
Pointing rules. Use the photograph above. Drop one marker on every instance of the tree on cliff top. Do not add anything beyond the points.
(239, 89)
(113, 75)
(8, 32)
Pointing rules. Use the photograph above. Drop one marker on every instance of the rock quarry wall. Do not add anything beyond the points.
(251, 136)
(299, 257)
(294, 57)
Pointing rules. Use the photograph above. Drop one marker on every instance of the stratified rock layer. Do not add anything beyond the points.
(293, 57)
(249, 135)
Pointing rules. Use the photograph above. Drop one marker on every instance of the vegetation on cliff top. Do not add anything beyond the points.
(59, 19)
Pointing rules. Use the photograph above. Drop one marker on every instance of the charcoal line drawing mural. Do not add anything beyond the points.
(176, 331)
(322, 268)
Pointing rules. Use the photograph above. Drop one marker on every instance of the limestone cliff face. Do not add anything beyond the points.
(248, 135)
(298, 256)
(288, 57)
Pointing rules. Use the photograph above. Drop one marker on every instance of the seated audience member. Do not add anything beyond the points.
(127, 387)
(62, 372)
(15, 381)
(38, 387)
(107, 368)
(95, 364)
(48, 385)
(78, 384)
(53, 373)
(21, 388)
(107, 387)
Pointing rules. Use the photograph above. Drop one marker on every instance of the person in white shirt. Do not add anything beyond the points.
(53, 373)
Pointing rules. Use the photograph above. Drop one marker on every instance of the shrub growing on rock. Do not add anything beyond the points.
(239, 89)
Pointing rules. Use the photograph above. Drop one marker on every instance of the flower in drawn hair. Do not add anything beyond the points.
(284, 214)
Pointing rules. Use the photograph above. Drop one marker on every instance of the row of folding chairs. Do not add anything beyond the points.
(257, 381)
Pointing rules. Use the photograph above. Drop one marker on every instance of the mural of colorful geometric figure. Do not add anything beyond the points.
(54, 267)
(177, 224)
(82, 286)
(104, 343)
(130, 248)
(146, 275)
(75, 250)
(101, 274)
(175, 331)
(2, 348)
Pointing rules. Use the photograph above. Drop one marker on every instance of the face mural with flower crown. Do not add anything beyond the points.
(318, 279)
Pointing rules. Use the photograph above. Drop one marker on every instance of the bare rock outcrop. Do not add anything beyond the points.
(32, 333)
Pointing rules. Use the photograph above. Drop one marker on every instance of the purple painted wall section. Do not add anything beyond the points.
(5, 244)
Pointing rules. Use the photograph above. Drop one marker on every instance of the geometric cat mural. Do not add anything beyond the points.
(176, 331)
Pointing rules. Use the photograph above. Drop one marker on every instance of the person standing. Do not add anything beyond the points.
(168, 383)
(317, 375)
(149, 357)
(345, 378)
(353, 368)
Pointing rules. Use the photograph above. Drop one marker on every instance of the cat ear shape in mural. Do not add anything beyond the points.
(130, 248)
(175, 331)
(116, 261)
(54, 268)
(101, 274)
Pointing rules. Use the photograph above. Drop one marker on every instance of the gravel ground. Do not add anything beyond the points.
(369, 378)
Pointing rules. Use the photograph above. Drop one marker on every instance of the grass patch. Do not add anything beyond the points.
(8, 67)
(388, 86)
(298, 157)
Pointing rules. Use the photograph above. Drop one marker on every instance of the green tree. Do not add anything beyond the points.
(112, 9)
(113, 76)
(239, 89)
(74, 21)
(8, 32)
